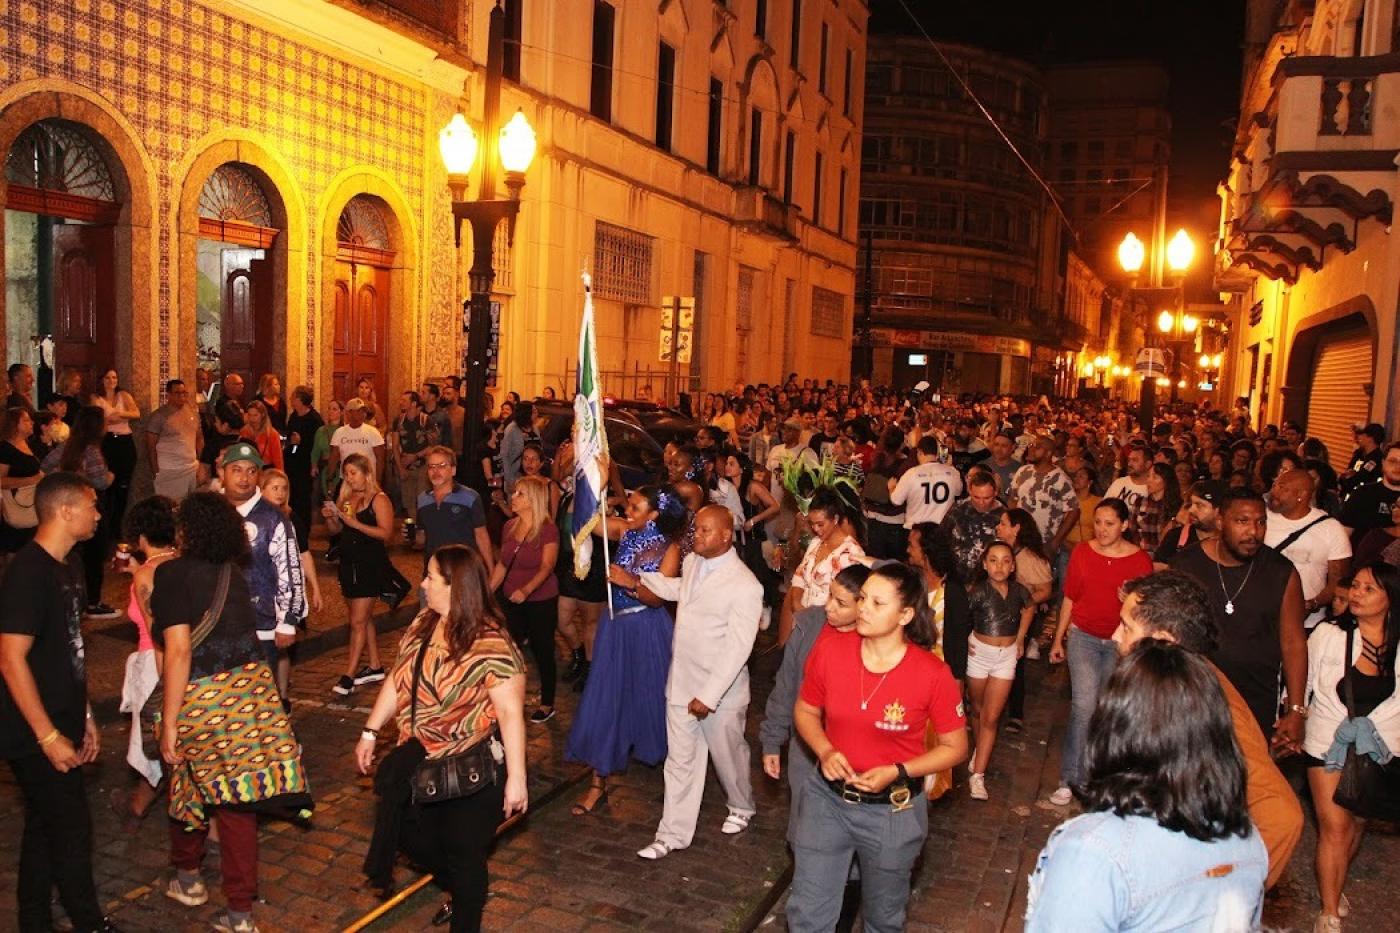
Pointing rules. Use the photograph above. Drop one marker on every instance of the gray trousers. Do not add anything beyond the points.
(689, 743)
(830, 833)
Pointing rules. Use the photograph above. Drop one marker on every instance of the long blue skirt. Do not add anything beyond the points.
(623, 710)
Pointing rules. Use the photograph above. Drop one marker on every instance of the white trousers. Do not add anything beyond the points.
(690, 742)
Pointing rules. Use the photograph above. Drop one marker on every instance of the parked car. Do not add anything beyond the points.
(637, 454)
(662, 423)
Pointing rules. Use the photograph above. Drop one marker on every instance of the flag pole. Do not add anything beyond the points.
(606, 468)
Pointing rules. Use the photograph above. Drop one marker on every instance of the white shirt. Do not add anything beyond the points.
(1326, 709)
(1310, 553)
(927, 492)
(361, 440)
(1130, 492)
(779, 455)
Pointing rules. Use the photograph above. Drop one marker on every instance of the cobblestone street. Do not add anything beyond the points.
(554, 871)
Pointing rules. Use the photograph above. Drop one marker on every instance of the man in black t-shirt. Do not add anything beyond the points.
(46, 729)
(1369, 506)
(1257, 600)
(302, 424)
(1203, 505)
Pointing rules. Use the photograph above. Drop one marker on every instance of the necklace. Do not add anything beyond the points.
(1229, 599)
(866, 698)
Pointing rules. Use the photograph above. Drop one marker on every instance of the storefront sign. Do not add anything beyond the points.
(950, 340)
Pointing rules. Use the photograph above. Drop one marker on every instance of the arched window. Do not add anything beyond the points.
(56, 168)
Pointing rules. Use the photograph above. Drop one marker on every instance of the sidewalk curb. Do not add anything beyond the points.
(108, 709)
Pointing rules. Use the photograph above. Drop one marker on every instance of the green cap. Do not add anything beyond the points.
(243, 451)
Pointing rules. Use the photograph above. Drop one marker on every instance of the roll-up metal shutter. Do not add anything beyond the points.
(1338, 399)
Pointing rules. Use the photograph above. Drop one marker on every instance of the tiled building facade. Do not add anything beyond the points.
(274, 200)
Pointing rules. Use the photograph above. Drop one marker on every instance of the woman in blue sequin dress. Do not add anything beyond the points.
(623, 710)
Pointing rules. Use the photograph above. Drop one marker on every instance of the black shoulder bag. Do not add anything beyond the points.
(454, 776)
(1367, 788)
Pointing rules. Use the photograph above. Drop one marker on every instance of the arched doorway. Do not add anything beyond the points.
(235, 289)
(364, 262)
(60, 218)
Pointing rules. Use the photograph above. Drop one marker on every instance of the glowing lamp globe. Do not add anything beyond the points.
(1131, 253)
(517, 144)
(1180, 252)
(1165, 321)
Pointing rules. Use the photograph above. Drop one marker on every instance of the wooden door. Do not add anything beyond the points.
(245, 325)
(84, 325)
(361, 347)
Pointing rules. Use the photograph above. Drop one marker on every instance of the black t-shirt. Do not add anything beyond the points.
(184, 590)
(1170, 546)
(1248, 652)
(298, 455)
(1368, 507)
(1365, 469)
(44, 598)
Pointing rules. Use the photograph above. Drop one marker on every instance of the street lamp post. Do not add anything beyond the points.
(1178, 328)
(1131, 256)
(514, 150)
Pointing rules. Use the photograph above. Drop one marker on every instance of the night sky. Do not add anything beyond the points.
(1198, 41)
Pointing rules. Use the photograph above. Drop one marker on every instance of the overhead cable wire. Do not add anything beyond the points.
(987, 115)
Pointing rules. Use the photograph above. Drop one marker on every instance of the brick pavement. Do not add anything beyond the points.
(558, 872)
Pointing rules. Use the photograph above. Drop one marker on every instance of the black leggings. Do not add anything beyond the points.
(535, 621)
(119, 450)
(452, 839)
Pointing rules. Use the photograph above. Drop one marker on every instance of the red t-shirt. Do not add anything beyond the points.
(1093, 582)
(918, 690)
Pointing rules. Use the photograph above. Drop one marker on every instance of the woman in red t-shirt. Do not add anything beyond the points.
(865, 701)
(1098, 568)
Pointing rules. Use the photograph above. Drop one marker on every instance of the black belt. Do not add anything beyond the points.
(898, 794)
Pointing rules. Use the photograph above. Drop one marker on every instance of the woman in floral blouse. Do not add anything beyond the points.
(835, 545)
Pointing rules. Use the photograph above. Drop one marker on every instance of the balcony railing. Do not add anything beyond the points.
(757, 209)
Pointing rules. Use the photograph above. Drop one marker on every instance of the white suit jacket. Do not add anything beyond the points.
(716, 624)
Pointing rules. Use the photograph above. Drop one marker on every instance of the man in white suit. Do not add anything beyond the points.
(707, 692)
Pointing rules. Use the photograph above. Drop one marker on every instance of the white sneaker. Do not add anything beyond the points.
(1062, 797)
(734, 824)
(191, 895)
(977, 786)
(657, 850)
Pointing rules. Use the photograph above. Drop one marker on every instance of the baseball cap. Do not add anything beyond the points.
(1211, 490)
(243, 451)
(354, 404)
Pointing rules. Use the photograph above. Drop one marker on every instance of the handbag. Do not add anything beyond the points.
(17, 506)
(454, 776)
(151, 709)
(1367, 788)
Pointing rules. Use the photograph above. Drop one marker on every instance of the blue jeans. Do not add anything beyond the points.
(1091, 660)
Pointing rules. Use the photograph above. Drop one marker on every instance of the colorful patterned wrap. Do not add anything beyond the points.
(454, 703)
(238, 746)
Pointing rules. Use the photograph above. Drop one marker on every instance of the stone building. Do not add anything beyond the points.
(256, 185)
(1305, 250)
(973, 283)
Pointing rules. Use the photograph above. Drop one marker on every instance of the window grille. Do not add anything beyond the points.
(622, 263)
(828, 313)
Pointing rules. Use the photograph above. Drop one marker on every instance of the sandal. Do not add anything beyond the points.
(582, 809)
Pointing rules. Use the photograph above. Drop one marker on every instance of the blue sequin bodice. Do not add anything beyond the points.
(637, 552)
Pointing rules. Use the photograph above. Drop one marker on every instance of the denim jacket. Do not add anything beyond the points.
(1099, 871)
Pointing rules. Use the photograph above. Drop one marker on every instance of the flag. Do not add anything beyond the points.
(590, 442)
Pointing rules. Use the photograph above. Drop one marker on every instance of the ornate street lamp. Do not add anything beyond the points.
(514, 150)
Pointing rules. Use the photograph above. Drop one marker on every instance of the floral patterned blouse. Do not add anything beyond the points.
(814, 576)
(454, 702)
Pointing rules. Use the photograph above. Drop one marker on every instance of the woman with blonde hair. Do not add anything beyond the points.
(258, 428)
(364, 519)
(374, 412)
(270, 394)
(525, 584)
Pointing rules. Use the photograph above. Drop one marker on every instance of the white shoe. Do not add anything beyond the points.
(657, 850)
(191, 895)
(735, 824)
(1062, 797)
(977, 786)
(1327, 924)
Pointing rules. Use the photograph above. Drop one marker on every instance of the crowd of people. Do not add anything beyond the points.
(1220, 597)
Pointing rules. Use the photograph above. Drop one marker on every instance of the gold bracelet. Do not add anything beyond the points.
(49, 739)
